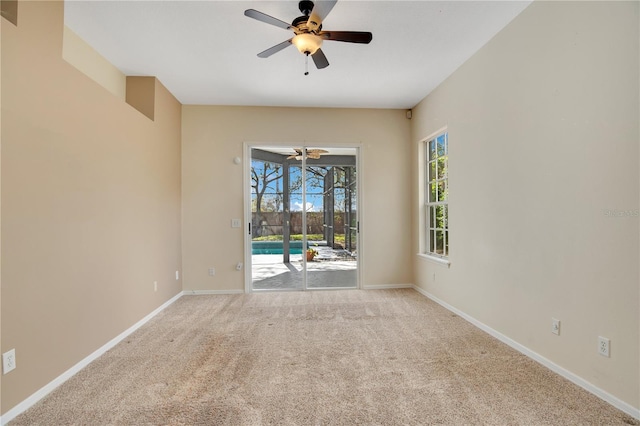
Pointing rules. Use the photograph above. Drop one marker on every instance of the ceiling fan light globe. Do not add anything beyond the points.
(307, 43)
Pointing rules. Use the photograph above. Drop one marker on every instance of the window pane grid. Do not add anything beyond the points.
(437, 195)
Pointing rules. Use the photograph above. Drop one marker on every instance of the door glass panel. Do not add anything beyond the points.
(304, 218)
(332, 218)
(273, 254)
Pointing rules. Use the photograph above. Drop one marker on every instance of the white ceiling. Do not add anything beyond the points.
(204, 52)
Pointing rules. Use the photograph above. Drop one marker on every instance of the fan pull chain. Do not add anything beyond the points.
(306, 64)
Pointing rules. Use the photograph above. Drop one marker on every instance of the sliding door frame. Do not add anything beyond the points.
(248, 263)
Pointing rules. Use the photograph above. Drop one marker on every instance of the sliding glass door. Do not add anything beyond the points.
(304, 218)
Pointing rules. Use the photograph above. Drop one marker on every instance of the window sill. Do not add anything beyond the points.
(435, 259)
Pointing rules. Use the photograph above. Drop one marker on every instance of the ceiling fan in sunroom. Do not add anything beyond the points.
(308, 32)
(311, 153)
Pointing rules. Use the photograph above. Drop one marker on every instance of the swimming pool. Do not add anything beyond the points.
(275, 247)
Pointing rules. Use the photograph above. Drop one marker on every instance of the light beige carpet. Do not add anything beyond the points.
(383, 357)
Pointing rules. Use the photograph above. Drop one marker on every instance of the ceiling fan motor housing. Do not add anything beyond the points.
(299, 20)
(300, 25)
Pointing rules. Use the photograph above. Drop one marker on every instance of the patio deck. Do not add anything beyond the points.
(330, 269)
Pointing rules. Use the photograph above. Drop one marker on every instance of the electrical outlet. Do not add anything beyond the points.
(155, 286)
(212, 271)
(8, 361)
(603, 346)
(177, 275)
(236, 223)
(555, 326)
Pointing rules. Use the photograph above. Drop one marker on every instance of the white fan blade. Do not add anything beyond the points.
(320, 11)
(274, 49)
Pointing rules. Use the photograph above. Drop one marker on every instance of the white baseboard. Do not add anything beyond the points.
(386, 286)
(44, 391)
(201, 292)
(605, 396)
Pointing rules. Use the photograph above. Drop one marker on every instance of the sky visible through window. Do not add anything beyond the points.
(269, 175)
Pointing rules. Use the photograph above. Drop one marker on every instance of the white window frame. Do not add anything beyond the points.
(434, 203)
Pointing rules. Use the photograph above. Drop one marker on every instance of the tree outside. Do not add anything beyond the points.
(267, 198)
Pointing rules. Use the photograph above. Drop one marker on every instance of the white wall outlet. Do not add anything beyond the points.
(177, 275)
(155, 286)
(239, 266)
(236, 223)
(212, 271)
(8, 361)
(555, 326)
(603, 346)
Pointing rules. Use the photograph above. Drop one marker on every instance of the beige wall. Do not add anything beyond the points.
(213, 185)
(90, 206)
(141, 94)
(543, 131)
(82, 56)
(3, 22)
(543, 125)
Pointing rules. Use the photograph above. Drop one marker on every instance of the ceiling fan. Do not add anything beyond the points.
(311, 153)
(308, 31)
